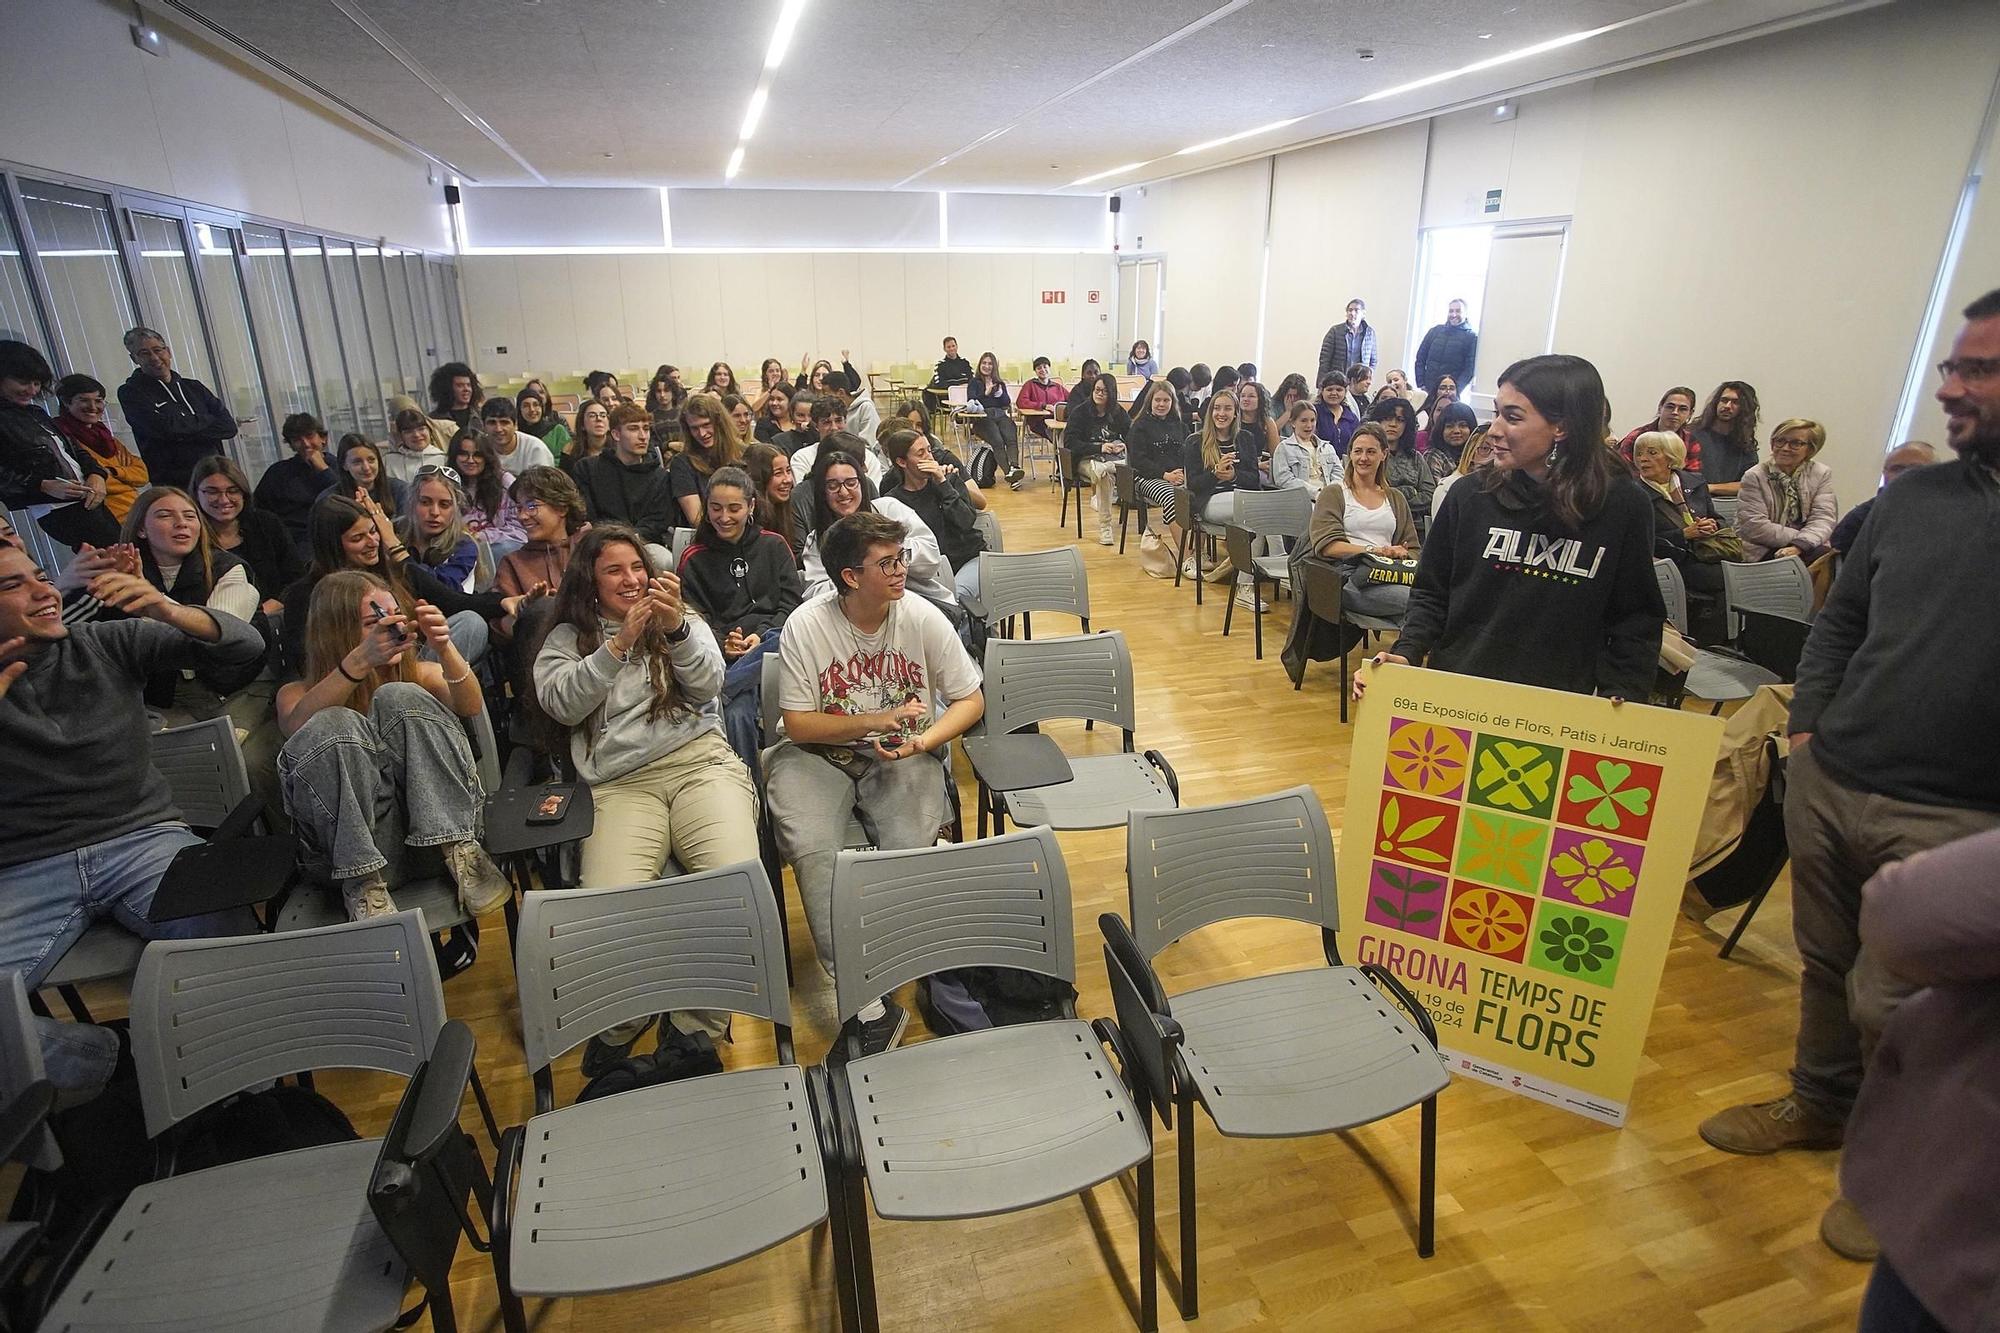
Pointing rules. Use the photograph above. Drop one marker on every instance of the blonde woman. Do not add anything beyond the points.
(1362, 515)
(375, 758)
(1478, 452)
(1787, 506)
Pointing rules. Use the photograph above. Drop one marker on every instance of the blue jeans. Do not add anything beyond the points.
(46, 905)
(1889, 1306)
(743, 704)
(359, 789)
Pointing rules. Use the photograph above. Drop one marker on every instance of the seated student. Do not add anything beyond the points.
(537, 417)
(91, 824)
(483, 483)
(863, 417)
(1304, 461)
(744, 582)
(1292, 389)
(1786, 506)
(771, 473)
(1095, 438)
(997, 427)
(633, 675)
(1359, 377)
(1905, 457)
(1686, 528)
(81, 422)
(865, 673)
(741, 417)
(711, 442)
(61, 486)
(839, 489)
(237, 526)
(1086, 377)
(829, 419)
(1153, 443)
(413, 443)
(1334, 417)
(1140, 360)
(1672, 415)
(1408, 472)
(1219, 460)
(434, 531)
(665, 396)
(910, 415)
(821, 377)
(361, 471)
(775, 416)
(1039, 393)
(1439, 398)
(516, 449)
(1445, 441)
(770, 376)
(1724, 436)
(936, 494)
(289, 486)
(591, 437)
(798, 432)
(1255, 410)
(375, 757)
(1478, 452)
(552, 515)
(627, 483)
(1363, 515)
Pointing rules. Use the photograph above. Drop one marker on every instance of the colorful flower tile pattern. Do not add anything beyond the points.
(1517, 850)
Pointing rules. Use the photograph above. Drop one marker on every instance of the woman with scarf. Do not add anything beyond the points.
(1686, 528)
(538, 417)
(61, 487)
(1786, 506)
(81, 422)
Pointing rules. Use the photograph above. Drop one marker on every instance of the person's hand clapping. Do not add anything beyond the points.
(1361, 679)
(131, 594)
(636, 620)
(665, 598)
(431, 623)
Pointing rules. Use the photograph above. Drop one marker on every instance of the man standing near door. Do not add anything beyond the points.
(1450, 349)
(175, 421)
(1349, 344)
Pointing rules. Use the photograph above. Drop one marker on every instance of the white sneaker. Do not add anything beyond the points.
(1251, 601)
(1105, 537)
(1187, 568)
(481, 886)
(366, 897)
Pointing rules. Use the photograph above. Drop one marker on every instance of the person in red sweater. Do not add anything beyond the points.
(1042, 393)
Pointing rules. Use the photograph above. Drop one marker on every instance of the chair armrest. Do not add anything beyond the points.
(223, 876)
(508, 832)
(1017, 762)
(239, 822)
(506, 1166)
(1141, 1002)
(1382, 977)
(23, 1115)
(1159, 760)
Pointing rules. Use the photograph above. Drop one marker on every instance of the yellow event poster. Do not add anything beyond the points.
(1516, 857)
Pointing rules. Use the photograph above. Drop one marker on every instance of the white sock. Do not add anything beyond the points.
(871, 1011)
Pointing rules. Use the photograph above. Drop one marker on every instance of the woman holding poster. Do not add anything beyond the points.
(1542, 572)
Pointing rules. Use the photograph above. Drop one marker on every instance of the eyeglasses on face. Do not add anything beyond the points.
(843, 483)
(1970, 368)
(891, 564)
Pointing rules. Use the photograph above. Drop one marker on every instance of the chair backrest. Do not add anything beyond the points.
(203, 765)
(1271, 856)
(485, 749)
(1013, 582)
(997, 902)
(1320, 584)
(682, 539)
(587, 959)
(1725, 507)
(1241, 545)
(1127, 484)
(1673, 591)
(1776, 587)
(21, 1064)
(213, 1017)
(987, 524)
(1773, 642)
(768, 711)
(1283, 513)
(1075, 676)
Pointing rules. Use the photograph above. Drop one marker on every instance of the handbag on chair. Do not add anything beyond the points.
(1382, 569)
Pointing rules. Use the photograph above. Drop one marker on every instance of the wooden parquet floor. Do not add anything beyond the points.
(1545, 1220)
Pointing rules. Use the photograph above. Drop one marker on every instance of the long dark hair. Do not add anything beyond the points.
(381, 492)
(576, 606)
(326, 524)
(676, 396)
(440, 387)
(829, 454)
(486, 491)
(1293, 383)
(1569, 393)
(736, 479)
(1744, 435)
(772, 516)
(1397, 406)
(538, 429)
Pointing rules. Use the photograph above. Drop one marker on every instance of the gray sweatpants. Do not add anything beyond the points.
(900, 804)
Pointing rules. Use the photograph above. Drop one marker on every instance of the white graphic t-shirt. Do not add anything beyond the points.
(829, 666)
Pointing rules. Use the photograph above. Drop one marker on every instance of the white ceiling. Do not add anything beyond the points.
(878, 94)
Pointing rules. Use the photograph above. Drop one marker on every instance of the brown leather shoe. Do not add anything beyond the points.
(1847, 1233)
(1768, 1127)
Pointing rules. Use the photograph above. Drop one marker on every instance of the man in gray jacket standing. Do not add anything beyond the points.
(91, 825)
(1349, 344)
(1892, 727)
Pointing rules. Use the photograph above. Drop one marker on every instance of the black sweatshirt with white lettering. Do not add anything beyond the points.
(1507, 591)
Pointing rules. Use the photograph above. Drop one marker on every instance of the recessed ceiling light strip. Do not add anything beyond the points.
(774, 56)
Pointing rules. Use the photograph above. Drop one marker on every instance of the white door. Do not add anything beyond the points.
(1138, 305)
(1523, 279)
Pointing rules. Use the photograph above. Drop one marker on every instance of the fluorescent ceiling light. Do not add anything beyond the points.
(1539, 48)
(755, 113)
(781, 36)
(1115, 171)
(735, 164)
(1232, 138)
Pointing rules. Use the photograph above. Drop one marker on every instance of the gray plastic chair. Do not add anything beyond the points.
(674, 1179)
(1775, 587)
(983, 1122)
(1086, 676)
(21, 1067)
(1321, 594)
(1716, 677)
(1725, 508)
(1021, 582)
(1278, 1056)
(292, 1240)
(1259, 514)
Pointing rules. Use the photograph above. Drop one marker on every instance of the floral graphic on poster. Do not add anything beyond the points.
(1411, 901)
(1518, 776)
(1593, 871)
(1501, 851)
(1489, 921)
(1427, 759)
(1613, 795)
(1416, 831)
(1580, 945)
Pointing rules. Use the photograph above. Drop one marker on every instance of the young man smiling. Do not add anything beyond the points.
(626, 482)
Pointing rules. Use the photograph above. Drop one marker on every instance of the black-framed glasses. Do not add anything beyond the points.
(1970, 368)
(890, 564)
(440, 470)
(843, 483)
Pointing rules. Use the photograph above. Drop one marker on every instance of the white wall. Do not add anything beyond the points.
(1737, 213)
(564, 314)
(76, 96)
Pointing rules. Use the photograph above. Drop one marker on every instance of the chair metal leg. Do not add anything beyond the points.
(485, 1108)
(1149, 1259)
(1427, 1182)
(1742, 922)
(1180, 555)
(985, 802)
(1257, 611)
(1190, 1248)
(1343, 680)
(1124, 518)
(1197, 566)
(1062, 519)
(1228, 614)
(1079, 515)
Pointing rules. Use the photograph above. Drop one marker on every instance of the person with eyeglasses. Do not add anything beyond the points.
(237, 526)
(1787, 507)
(1892, 725)
(1676, 409)
(872, 683)
(840, 488)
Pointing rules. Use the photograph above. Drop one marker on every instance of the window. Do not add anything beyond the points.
(353, 327)
(454, 328)
(242, 387)
(404, 326)
(421, 305)
(1452, 267)
(166, 293)
(330, 372)
(375, 303)
(274, 314)
(18, 317)
(90, 303)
